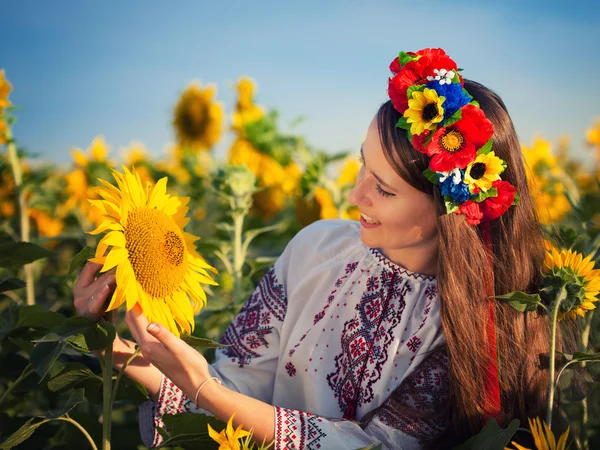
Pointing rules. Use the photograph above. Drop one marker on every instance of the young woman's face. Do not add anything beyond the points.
(395, 216)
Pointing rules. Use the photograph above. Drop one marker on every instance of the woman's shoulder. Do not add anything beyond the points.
(327, 237)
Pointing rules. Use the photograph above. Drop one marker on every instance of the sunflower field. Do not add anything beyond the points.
(244, 208)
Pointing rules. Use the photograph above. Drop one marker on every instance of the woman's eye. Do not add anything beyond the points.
(361, 160)
(382, 192)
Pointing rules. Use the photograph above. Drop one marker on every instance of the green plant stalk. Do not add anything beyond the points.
(121, 373)
(585, 338)
(552, 384)
(238, 257)
(13, 158)
(80, 428)
(26, 372)
(107, 397)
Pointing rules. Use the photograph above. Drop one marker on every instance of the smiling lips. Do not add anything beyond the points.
(368, 220)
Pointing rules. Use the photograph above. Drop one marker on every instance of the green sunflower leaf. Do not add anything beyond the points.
(198, 342)
(522, 301)
(414, 88)
(22, 434)
(491, 192)
(491, 437)
(85, 254)
(11, 284)
(453, 118)
(431, 176)
(487, 147)
(402, 123)
(17, 254)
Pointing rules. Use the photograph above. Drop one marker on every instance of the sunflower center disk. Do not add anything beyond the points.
(430, 112)
(452, 141)
(477, 170)
(156, 251)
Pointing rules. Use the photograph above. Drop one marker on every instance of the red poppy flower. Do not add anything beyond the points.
(456, 145)
(472, 211)
(418, 141)
(494, 207)
(433, 58)
(398, 86)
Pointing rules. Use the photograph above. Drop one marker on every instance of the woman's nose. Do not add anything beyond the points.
(356, 195)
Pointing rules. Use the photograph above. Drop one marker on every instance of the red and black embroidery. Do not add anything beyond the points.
(255, 321)
(297, 430)
(365, 340)
(427, 391)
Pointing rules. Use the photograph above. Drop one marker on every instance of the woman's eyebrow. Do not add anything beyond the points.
(383, 183)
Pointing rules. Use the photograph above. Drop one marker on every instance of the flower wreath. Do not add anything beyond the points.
(443, 121)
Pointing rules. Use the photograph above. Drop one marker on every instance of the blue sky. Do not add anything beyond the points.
(114, 68)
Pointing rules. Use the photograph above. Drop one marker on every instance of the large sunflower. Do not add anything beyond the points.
(577, 274)
(156, 263)
(481, 173)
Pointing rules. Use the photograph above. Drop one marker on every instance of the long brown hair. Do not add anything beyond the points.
(463, 271)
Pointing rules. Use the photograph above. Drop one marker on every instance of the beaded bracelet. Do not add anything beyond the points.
(202, 385)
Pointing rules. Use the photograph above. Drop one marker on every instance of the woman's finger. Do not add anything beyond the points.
(97, 304)
(87, 275)
(136, 322)
(164, 336)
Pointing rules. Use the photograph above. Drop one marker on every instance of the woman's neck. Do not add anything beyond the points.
(420, 259)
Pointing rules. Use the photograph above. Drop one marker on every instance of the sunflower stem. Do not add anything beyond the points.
(551, 369)
(107, 397)
(585, 337)
(21, 202)
(238, 257)
(80, 428)
(26, 372)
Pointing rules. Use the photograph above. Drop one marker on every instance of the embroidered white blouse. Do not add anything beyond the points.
(327, 336)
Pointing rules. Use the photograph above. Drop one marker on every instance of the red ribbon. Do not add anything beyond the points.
(491, 393)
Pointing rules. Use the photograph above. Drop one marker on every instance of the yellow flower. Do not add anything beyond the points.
(482, 172)
(543, 437)
(582, 281)
(228, 439)
(593, 134)
(198, 119)
(349, 173)
(3, 130)
(424, 111)
(156, 262)
(47, 226)
(245, 110)
(135, 154)
(98, 151)
(543, 178)
(5, 88)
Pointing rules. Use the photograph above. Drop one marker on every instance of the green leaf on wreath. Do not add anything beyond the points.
(517, 199)
(481, 196)
(487, 147)
(522, 301)
(414, 88)
(453, 118)
(402, 123)
(451, 205)
(431, 176)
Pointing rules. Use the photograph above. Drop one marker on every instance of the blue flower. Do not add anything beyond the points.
(458, 191)
(456, 97)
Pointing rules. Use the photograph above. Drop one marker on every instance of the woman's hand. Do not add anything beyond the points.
(90, 294)
(181, 363)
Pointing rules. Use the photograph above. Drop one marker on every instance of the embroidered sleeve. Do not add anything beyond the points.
(248, 365)
(410, 417)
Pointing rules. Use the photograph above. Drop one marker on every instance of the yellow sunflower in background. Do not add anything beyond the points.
(481, 173)
(544, 179)
(577, 274)
(543, 437)
(198, 118)
(5, 88)
(246, 111)
(593, 136)
(157, 266)
(424, 110)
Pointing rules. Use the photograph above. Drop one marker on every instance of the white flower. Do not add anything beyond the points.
(454, 173)
(442, 75)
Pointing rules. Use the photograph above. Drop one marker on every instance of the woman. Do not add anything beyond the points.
(378, 330)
